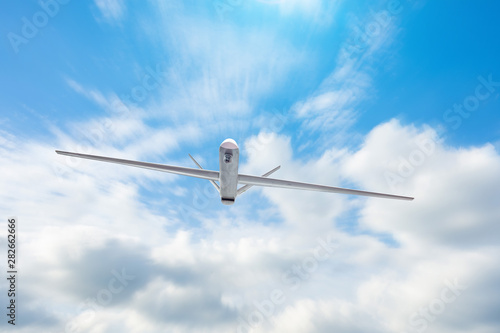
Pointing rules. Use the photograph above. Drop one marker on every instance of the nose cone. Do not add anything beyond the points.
(229, 144)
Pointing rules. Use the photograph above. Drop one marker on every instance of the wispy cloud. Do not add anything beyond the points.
(219, 71)
(318, 11)
(112, 11)
(334, 105)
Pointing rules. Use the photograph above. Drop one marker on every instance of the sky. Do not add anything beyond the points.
(389, 96)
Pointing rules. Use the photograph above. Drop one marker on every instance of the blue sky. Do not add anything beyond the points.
(436, 55)
(389, 96)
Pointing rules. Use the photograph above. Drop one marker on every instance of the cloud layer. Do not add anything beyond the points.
(305, 273)
(106, 248)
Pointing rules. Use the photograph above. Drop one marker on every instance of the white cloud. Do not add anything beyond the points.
(215, 275)
(455, 189)
(82, 223)
(218, 73)
(320, 11)
(333, 106)
(112, 10)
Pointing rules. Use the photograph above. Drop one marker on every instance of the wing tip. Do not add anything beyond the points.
(62, 152)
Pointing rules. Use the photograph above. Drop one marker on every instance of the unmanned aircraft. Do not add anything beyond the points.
(226, 180)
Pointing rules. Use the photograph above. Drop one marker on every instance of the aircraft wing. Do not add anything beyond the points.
(270, 182)
(248, 186)
(205, 174)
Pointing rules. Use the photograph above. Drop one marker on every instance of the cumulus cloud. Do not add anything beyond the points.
(302, 274)
(99, 254)
(455, 188)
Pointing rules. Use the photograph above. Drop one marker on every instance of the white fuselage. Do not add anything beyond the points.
(229, 155)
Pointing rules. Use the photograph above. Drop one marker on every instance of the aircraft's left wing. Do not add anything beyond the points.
(205, 174)
(270, 182)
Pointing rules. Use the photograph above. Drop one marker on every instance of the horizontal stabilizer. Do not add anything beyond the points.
(270, 182)
(205, 174)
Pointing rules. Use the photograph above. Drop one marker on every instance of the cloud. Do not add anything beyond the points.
(112, 10)
(455, 188)
(220, 274)
(218, 72)
(268, 150)
(108, 103)
(100, 254)
(319, 11)
(334, 106)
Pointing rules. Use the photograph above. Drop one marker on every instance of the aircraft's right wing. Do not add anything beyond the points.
(246, 187)
(270, 182)
(205, 174)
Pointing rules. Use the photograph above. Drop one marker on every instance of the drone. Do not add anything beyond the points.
(227, 180)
